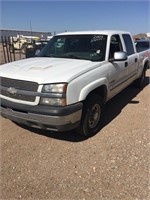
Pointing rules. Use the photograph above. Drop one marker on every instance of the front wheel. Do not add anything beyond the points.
(91, 116)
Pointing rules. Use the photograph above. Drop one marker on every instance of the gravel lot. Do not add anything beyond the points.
(112, 165)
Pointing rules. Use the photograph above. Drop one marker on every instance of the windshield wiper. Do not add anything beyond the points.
(61, 56)
(48, 56)
(71, 56)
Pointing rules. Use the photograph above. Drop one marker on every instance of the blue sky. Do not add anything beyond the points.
(77, 15)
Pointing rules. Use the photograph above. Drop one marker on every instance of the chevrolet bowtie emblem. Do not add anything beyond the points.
(12, 90)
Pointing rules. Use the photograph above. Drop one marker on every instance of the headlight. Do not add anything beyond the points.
(55, 94)
(53, 101)
(55, 88)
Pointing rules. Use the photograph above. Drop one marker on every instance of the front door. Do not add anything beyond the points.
(119, 71)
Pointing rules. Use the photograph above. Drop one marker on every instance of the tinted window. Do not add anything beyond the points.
(128, 44)
(142, 45)
(115, 45)
(87, 47)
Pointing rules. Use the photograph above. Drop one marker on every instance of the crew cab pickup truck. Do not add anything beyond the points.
(68, 84)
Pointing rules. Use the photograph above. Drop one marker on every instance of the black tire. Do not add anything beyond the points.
(91, 116)
(139, 83)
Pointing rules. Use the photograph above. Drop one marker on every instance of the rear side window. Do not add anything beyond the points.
(129, 44)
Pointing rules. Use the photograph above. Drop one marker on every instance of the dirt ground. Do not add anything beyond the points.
(112, 165)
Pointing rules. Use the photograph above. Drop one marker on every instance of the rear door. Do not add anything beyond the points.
(132, 58)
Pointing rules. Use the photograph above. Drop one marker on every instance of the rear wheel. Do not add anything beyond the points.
(91, 116)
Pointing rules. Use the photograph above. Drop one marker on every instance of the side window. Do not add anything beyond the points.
(128, 44)
(115, 45)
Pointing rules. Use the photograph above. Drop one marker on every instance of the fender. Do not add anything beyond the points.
(92, 86)
(144, 57)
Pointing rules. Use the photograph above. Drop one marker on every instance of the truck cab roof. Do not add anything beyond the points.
(105, 32)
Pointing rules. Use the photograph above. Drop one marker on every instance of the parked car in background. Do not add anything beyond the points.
(142, 45)
(37, 47)
(22, 43)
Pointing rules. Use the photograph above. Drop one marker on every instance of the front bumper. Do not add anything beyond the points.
(43, 117)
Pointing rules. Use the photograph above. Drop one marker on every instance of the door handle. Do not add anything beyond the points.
(136, 60)
(126, 64)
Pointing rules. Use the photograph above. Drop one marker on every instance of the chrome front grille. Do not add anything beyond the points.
(19, 84)
(13, 88)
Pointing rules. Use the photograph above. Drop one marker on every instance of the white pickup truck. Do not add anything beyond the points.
(68, 84)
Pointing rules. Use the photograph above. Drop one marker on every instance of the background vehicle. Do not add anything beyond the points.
(37, 46)
(142, 45)
(22, 42)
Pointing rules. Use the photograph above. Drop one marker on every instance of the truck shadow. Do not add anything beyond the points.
(112, 109)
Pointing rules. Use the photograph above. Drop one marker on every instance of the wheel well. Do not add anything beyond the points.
(101, 91)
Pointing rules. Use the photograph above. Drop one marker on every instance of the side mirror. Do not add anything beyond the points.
(119, 56)
(37, 52)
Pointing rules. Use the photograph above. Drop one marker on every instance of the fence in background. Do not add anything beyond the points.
(8, 55)
(12, 50)
(7, 51)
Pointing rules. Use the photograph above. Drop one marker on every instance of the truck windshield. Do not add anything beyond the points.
(86, 47)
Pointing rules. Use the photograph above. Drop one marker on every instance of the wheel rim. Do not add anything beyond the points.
(94, 116)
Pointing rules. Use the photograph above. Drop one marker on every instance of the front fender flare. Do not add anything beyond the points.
(92, 86)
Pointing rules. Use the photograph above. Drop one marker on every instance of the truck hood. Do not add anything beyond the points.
(47, 70)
